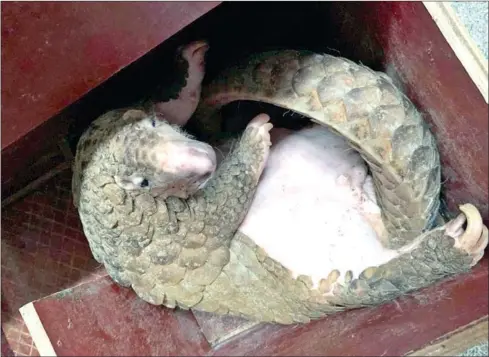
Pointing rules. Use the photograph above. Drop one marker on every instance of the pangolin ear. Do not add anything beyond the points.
(134, 114)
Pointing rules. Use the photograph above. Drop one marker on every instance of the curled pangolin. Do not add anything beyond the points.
(165, 217)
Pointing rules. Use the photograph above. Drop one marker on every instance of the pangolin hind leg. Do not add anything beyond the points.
(257, 287)
(327, 218)
(442, 252)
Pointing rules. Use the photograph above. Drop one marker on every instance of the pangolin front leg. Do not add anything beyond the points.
(230, 192)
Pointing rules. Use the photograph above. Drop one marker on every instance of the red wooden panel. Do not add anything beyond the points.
(433, 77)
(102, 319)
(54, 52)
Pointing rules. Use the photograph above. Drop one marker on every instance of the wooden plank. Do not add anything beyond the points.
(458, 341)
(461, 42)
(37, 331)
(100, 318)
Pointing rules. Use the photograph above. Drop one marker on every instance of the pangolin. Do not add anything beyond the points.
(284, 233)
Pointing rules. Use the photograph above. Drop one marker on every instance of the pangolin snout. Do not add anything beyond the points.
(186, 159)
(204, 158)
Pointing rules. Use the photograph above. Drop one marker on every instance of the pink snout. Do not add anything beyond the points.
(190, 159)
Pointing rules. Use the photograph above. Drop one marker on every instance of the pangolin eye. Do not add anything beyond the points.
(144, 183)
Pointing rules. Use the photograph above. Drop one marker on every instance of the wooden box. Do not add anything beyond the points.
(65, 63)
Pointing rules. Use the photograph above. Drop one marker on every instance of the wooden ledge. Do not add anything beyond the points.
(457, 341)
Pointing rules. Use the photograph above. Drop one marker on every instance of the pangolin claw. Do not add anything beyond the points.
(475, 237)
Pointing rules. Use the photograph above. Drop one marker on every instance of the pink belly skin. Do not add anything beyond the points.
(315, 208)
